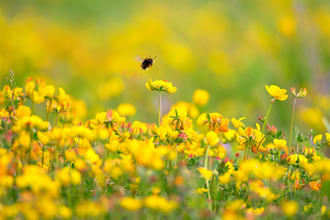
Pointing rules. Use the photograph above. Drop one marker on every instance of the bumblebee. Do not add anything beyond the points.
(146, 63)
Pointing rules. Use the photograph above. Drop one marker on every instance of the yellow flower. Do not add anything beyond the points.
(65, 212)
(327, 135)
(114, 118)
(130, 203)
(315, 186)
(293, 158)
(190, 108)
(290, 208)
(17, 92)
(4, 113)
(323, 209)
(25, 141)
(160, 85)
(29, 86)
(238, 123)
(307, 208)
(280, 143)
(126, 109)
(68, 176)
(317, 138)
(7, 93)
(37, 98)
(23, 111)
(224, 179)
(49, 91)
(200, 190)
(158, 203)
(136, 128)
(277, 93)
(201, 97)
(99, 118)
(207, 174)
(62, 97)
(212, 138)
(44, 139)
(230, 136)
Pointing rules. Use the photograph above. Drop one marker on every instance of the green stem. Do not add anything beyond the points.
(294, 106)
(32, 104)
(176, 154)
(294, 181)
(207, 182)
(159, 109)
(49, 107)
(42, 158)
(289, 177)
(12, 104)
(259, 146)
(279, 155)
(56, 119)
(263, 127)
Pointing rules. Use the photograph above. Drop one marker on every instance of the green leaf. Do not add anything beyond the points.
(278, 134)
(300, 137)
(294, 132)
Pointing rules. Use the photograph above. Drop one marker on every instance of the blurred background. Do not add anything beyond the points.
(232, 49)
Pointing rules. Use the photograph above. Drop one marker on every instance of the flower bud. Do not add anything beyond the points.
(225, 160)
(262, 119)
(309, 152)
(182, 138)
(271, 130)
(302, 93)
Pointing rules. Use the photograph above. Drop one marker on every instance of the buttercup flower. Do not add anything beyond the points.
(126, 109)
(130, 203)
(201, 97)
(160, 85)
(277, 93)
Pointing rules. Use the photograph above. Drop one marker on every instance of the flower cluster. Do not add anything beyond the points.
(108, 167)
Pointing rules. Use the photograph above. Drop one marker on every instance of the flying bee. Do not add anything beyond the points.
(146, 62)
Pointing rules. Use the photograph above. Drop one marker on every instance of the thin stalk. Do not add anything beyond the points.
(289, 177)
(176, 154)
(42, 158)
(56, 119)
(207, 182)
(48, 111)
(159, 109)
(279, 155)
(294, 106)
(259, 146)
(294, 181)
(263, 127)
(76, 148)
(32, 104)
(166, 167)
(12, 104)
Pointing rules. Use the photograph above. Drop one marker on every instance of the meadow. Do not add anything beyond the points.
(230, 122)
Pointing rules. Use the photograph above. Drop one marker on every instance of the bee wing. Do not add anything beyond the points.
(138, 58)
